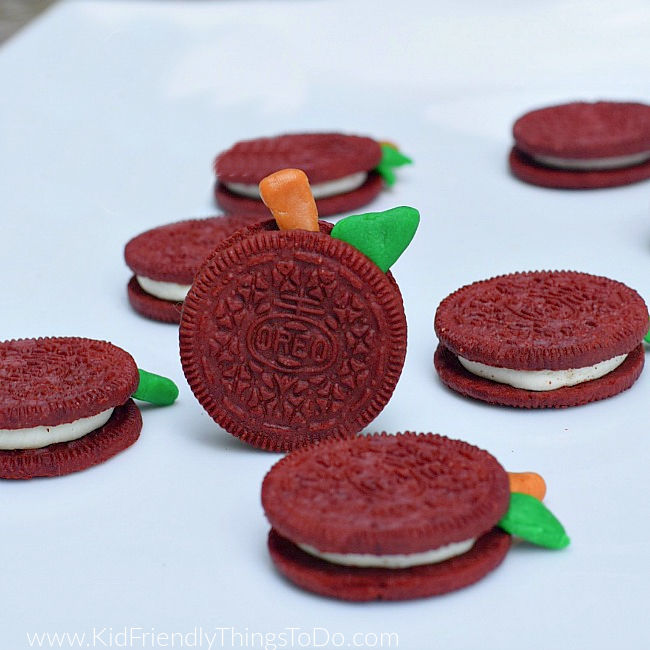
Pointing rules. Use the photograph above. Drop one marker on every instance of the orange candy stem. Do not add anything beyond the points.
(288, 195)
(529, 483)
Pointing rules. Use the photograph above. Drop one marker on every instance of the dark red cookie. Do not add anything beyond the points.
(120, 432)
(322, 156)
(542, 320)
(582, 131)
(585, 130)
(386, 495)
(174, 253)
(289, 337)
(553, 320)
(347, 202)
(53, 381)
(457, 378)
(526, 169)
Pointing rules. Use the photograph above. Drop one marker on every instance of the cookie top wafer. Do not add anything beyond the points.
(322, 156)
(51, 381)
(291, 336)
(174, 252)
(385, 494)
(582, 130)
(542, 320)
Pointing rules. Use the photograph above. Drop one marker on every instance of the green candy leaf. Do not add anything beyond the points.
(530, 519)
(155, 389)
(646, 338)
(381, 236)
(390, 158)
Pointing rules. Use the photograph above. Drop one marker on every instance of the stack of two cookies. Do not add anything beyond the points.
(541, 339)
(345, 172)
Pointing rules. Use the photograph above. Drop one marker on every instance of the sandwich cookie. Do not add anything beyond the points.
(164, 261)
(541, 339)
(290, 332)
(394, 517)
(583, 145)
(65, 404)
(345, 171)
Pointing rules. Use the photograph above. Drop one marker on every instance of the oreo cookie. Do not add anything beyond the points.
(583, 145)
(345, 171)
(386, 517)
(541, 339)
(65, 404)
(164, 261)
(293, 335)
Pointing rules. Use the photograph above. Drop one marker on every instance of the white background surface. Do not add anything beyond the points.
(110, 116)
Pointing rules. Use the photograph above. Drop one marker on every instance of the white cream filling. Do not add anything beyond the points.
(586, 164)
(393, 561)
(164, 290)
(541, 380)
(42, 436)
(319, 190)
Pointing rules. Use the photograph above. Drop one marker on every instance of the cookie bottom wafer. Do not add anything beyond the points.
(363, 584)
(457, 378)
(526, 169)
(120, 432)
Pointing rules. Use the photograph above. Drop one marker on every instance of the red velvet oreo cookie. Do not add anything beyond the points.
(386, 517)
(339, 167)
(291, 336)
(164, 261)
(583, 145)
(541, 339)
(64, 405)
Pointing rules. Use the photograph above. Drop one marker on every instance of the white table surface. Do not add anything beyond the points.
(110, 116)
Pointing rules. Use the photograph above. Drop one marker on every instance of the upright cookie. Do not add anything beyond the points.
(583, 145)
(164, 261)
(290, 336)
(386, 517)
(65, 404)
(541, 339)
(345, 171)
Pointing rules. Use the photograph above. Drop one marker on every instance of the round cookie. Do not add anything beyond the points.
(52, 382)
(381, 500)
(324, 157)
(291, 336)
(172, 254)
(583, 145)
(584, 130)
(508, 339)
